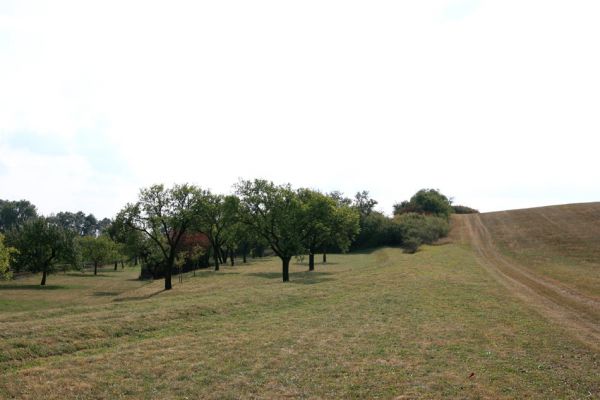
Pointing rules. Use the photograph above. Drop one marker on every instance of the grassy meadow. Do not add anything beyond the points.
(378, 324)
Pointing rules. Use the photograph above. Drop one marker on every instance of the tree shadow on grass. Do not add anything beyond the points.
(33, 287)
(145, 297)
(105, 294)
(318, 264)
(301, 278)
(76, 275)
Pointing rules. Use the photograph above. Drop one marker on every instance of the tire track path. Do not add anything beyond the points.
(577, 313)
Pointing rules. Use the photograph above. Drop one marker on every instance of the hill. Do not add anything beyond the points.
(548, 256)
(451, 321)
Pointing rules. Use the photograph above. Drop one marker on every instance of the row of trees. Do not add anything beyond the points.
(39, 244)
(289, 221)
(169, 227)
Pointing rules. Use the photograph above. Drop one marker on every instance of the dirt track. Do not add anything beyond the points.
(577, 313)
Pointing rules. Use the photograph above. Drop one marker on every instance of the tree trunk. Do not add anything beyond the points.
(95, 268)
(244, 257)
(324, 258)
(116, 265)
(216, 257)
(311, 262)
(232, 257)
(286, 268)
(223, 257)
(168, 270)
(122, 265)
(43, 278)
(135, 261)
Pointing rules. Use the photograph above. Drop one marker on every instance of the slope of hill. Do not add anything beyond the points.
(548, 256)
(383, 324)
(560, 242)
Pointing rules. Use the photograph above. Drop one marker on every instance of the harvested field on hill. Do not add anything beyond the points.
(560, 243)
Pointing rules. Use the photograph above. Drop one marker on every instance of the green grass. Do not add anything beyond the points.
(371, 325)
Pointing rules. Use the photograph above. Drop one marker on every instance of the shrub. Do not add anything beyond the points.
(464, 210)
(418, 228)
(411, 244)
(377, 230)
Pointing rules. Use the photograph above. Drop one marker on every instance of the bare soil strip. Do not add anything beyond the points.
(577, 313)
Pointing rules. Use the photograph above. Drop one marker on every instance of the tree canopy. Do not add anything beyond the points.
(164, 215)
(14, 213)
(98, 250)
(6, 254)
(216, 214)
(328, 221)
(41, 245)
(426, 201)
(274, 212)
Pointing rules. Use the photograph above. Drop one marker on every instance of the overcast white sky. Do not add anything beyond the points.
(496, 103)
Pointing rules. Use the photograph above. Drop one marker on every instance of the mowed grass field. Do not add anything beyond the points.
(378, 324)
(560, 243)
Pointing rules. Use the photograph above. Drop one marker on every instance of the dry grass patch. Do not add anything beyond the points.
(372, 325)
(558, 242)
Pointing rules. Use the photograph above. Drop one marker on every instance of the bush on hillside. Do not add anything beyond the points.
(411, 244)
(418, 228)
(464, 210)
(377, 230)
(426, 201)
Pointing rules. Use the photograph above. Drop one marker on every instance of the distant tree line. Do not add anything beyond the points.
(40, 244)
(184, 226)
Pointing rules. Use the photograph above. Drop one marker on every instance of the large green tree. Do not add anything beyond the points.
(42, 245)
(216, 215)
(276, 214)
(164, 215)
(319, 212)
(134, 244)
(345, 227)
(79, 222)
(98, 250)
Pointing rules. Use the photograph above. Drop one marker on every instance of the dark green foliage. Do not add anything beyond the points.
(411, 244)
(134, 244)
(98, 250)
(13, 214)
(377, 230)
(80, 223)
(363, 203)
(216, 216)
(426, 201)
(164, 215)
(420, 228)
(276, 214)
(328, 222)
(6, 254)
(464, 210)
(42, 245)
